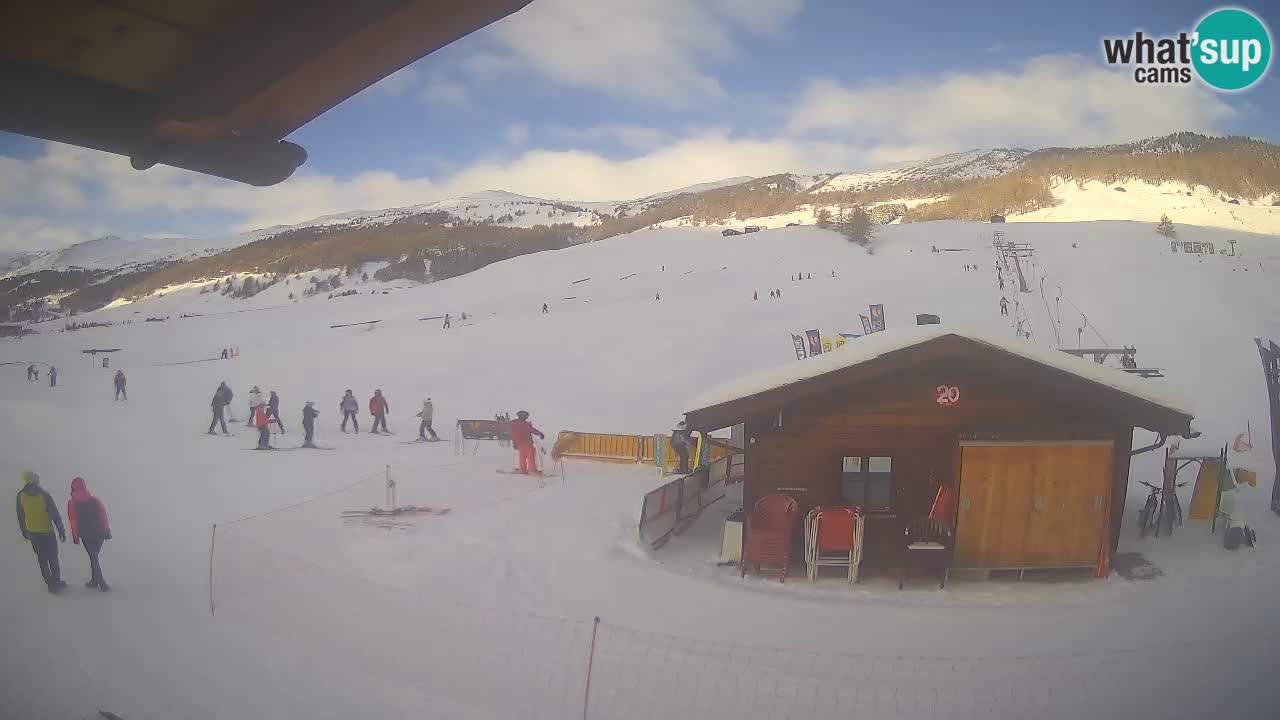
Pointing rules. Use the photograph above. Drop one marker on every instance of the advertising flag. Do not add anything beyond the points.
(815, 342)
(877, 318)
(866, 325)
(799, 343)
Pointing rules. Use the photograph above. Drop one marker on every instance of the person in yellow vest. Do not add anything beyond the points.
(38, 518)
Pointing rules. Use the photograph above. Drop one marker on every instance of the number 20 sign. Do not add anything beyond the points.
(947, 395)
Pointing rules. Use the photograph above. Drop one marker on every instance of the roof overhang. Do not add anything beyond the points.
(906, 350)
(212, 86)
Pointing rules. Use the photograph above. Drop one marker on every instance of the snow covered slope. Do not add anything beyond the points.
(1144, 202)
(487, 612)
(968, 165)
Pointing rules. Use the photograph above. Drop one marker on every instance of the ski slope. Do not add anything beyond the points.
(488, 611)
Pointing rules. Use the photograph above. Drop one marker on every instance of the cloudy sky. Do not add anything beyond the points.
(615, 99)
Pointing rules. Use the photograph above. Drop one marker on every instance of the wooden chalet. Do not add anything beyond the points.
(1033, 444)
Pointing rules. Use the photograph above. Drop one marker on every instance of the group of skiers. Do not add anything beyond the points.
(264, 412)
(33, 374)
(38, 518)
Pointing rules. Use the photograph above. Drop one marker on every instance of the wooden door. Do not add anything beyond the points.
(1028, 505)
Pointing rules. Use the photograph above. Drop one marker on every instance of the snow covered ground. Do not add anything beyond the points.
(1144, 202)
(488, 611)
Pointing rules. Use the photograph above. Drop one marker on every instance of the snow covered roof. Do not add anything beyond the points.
(870, 347)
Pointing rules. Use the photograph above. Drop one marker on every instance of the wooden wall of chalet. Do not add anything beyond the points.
(899, 416)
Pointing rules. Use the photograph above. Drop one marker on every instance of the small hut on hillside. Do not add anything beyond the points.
(1034, 444)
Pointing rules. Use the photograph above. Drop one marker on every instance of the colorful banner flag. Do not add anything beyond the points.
(849, 336)
(827, 345)
(799, 343)
(877, 318)
(815, 342)
(840, 341)
(866, 325)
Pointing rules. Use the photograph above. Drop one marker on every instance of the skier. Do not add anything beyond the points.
(522, 432)
(349, 407)
(53, 376)
(779, 293)
(273, 410)
(544, 308)
(809, 276)
(1004, 306)
(755, 294)
(379, 408)
(447, 321)
(120, 383)
(833, 272)
(224, 353)
(1001, 279)
(771, 295)
(255, 400)
(221, 399)
(425, 426)
(32, 373)
(680, 443)
(88, 519)
(657, 296)
(264, 426)
(37, 518)
(464, 317)
(309, 413)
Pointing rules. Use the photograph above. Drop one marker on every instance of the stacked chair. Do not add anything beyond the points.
(833, 538)
(767, 535)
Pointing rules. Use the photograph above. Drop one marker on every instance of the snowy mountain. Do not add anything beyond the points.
(968, 165)
(493, 610)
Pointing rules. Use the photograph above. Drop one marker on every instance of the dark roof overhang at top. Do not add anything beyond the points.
(1108, 400)
(212, 86)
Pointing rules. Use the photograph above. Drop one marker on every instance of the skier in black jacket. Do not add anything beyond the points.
(309, 413)
(273, 410)
(221, 399)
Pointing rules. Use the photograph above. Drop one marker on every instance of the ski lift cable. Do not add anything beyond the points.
(1080, 312)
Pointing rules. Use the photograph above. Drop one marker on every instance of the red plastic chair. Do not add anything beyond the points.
(833, 538)
(767, 536)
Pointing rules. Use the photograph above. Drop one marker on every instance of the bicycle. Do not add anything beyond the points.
(1153, 515)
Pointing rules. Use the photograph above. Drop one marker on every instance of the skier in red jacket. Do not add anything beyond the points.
(379, 409)
(522, 432)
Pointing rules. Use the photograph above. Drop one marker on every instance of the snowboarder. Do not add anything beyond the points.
(37, 518)
(1004, 306)
(255, 401)
(544, 308)
(88, 519)
(221, 399)
(349, 407)
(273, 410)
(53, 376)
(522, 432)
(447, 321)
(379, 408)
(32, 373)
(309, 413)
(120, 383)
(428, 410)
(680, 442)
(263, 425)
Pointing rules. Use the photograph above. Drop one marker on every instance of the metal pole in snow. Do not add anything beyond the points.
(591, 658)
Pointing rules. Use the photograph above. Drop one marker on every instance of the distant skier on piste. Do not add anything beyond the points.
(120, 384)
(255, 401)
(1004, 306)
(428, 410)
(544, 308)
(447, 321)
(379, 409)
(273, 410)
(349, 407)
(309, 413)
(88, 519)
(53, 376)
(264, 427)
(32, 373)
(37, 519)
(221, 399)
(522, 432)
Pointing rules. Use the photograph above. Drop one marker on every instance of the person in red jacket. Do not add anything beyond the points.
(263, 424)
(88, 518)
(379, 408)
(522, 432)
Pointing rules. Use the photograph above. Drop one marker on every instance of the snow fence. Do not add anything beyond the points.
(487, 662)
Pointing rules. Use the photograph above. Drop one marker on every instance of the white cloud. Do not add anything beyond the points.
(650, 51)
(1048, 100)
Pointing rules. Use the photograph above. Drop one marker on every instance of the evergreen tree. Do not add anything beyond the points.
(1165, 227)
(857, 227)
(823, 218)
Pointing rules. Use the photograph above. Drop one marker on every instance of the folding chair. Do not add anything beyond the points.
(833, 538)
(767, 536)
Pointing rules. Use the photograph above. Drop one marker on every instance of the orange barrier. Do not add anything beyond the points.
(607, 447)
